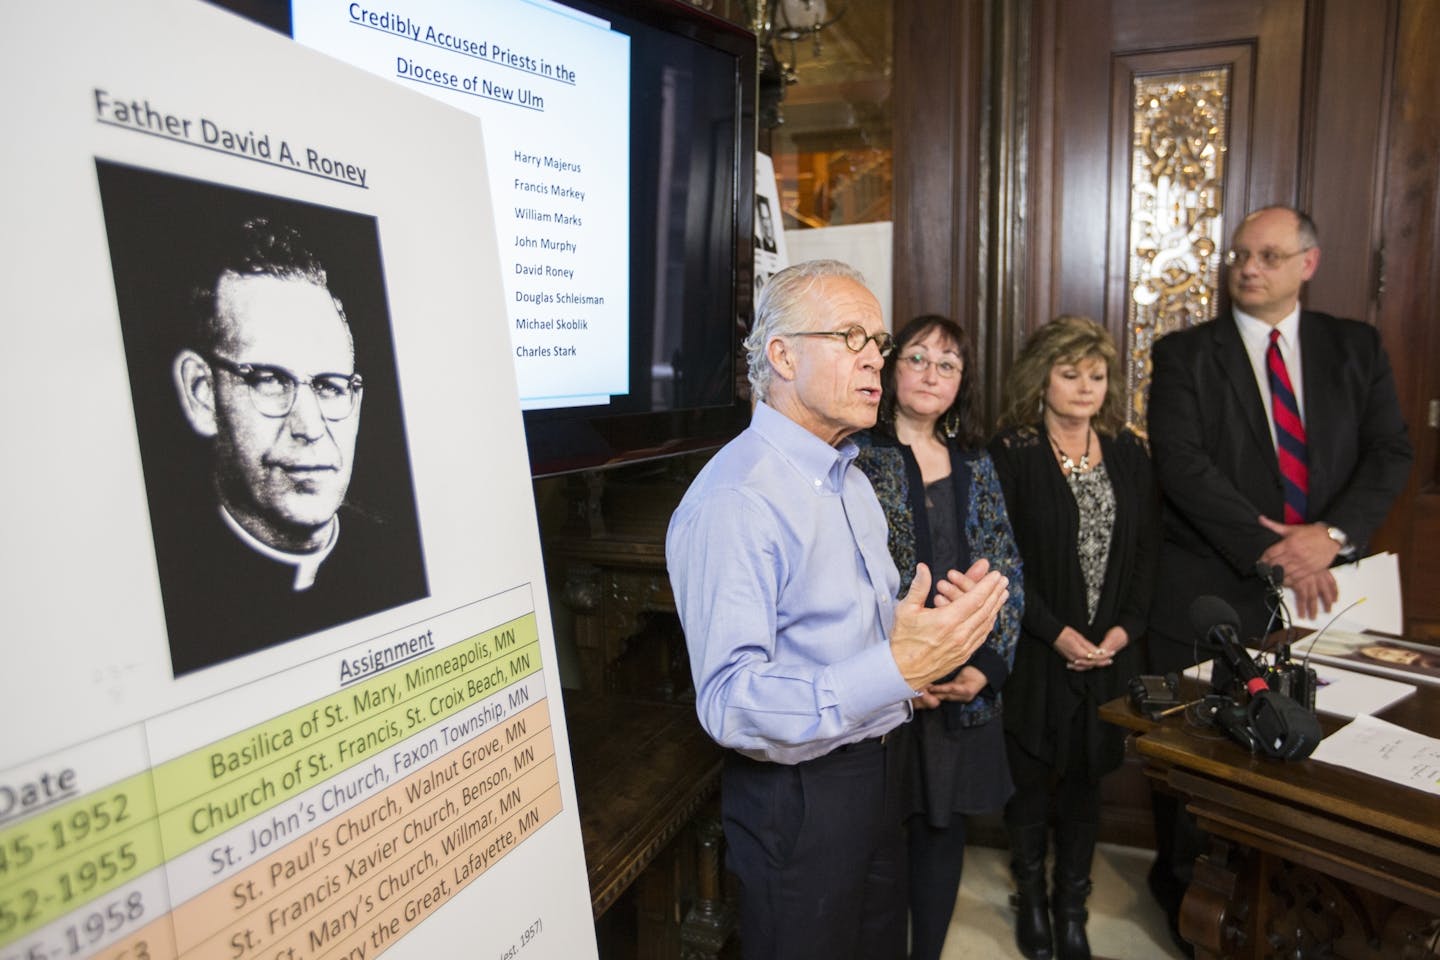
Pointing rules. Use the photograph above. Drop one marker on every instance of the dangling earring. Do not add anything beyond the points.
(951, 425)
(1040, 407)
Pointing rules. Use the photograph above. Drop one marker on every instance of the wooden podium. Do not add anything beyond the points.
(1304, 859)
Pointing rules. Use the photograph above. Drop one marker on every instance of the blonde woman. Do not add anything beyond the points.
(1082, 502)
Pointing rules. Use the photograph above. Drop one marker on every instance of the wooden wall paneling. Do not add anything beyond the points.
(1408, 317)
(917, 247)
(1342, 184)
(1279, 76)
(966, 72)
(1081, 162)
(1090, 34)
(1044, 171)
(936, 130)
(1005, 224)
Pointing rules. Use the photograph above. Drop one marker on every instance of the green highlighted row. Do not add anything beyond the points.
(56, 861)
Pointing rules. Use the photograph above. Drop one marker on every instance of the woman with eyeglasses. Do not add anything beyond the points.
(1082, 498)
(944, 507)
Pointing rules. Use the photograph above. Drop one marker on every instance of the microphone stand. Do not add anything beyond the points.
(1273, 576)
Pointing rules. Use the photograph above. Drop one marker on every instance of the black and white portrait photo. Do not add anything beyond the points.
(268, 410)
(765, 222)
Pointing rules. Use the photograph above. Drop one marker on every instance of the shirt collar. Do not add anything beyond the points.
(1256, 332)
(306, 565)
(814, 459)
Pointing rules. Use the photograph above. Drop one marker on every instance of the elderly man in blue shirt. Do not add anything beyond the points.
(804, 661)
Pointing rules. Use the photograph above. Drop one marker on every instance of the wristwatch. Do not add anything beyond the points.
(1338, 535)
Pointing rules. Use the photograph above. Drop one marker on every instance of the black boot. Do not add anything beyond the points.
(1074, 850)
(1032, 915)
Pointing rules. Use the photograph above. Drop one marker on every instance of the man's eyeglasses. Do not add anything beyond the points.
(273, 389)
(855, 338)
(919, 361)
(1269, 259)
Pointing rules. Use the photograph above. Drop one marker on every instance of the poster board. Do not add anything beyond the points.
(770, 254)
(280, 678)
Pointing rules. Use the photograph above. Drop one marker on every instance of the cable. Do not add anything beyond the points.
(1306, 662)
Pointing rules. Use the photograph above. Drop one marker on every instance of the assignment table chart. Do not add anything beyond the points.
(329, 831)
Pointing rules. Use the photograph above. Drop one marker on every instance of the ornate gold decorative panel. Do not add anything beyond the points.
(1177, 166)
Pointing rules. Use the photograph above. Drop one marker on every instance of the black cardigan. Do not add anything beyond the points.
(1044, 700)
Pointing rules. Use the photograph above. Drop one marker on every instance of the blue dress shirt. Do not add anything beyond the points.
(785, 587)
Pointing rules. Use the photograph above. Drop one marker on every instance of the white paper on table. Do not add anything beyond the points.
(1384, 750)
(1345, 693)
(1375, 580)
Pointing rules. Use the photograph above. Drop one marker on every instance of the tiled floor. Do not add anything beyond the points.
(1125, 922)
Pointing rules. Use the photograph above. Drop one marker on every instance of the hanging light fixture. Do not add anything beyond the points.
(799, 18)
(793, 21)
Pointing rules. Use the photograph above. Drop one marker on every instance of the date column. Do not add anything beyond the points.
(81, 864)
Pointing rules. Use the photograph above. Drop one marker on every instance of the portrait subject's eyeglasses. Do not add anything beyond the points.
(919, 361)
(855, 338)
(1269, 259)
(273, 389)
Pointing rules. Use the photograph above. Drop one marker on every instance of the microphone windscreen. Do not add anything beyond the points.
(1283, 728)
(1208, 612)
(1273, 574)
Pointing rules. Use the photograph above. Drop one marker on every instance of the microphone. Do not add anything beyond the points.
(1273, 722)
(1272, 574)
(1219, 624)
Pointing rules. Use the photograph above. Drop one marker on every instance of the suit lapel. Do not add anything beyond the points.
(1235, 363)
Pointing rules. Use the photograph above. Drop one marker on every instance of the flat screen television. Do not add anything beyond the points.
(620, 142)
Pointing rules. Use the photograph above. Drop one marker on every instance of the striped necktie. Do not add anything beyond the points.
(1289, 433)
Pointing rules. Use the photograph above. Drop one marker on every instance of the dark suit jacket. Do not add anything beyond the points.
(1215, 459)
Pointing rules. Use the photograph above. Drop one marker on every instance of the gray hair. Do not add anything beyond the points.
(1304, 226)
(780, 309)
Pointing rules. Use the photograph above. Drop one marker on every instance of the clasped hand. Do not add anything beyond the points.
(1081, 655)
(1305, 551)
(965, 687)
(929, 642)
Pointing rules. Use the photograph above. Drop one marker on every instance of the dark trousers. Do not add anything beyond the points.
(937, 858)
(819, 850)
(1077, 800)
(1077, 794)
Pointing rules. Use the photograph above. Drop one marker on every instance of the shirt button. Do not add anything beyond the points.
(817, 483)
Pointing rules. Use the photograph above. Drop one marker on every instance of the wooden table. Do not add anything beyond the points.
(1305, 859)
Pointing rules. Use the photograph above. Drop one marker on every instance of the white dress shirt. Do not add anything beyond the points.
(1256, 335)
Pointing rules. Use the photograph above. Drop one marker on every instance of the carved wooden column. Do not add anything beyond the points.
(711, 920)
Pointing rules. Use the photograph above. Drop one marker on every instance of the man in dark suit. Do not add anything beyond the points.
(1277, 439)
(1225, 466)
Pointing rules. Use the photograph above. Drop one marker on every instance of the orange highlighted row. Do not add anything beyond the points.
(393, 858)
(154, 941)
